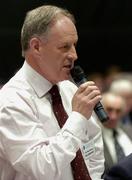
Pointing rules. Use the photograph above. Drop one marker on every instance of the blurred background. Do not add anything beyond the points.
(104, 28)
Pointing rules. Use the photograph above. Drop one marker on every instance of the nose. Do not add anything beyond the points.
(72, 54)
(114, 116)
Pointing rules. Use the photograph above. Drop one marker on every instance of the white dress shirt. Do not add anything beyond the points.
(32, 145)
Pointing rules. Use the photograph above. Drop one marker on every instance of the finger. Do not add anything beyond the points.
(85, 85)
(90, 89)
(96, 99)
(93, 94)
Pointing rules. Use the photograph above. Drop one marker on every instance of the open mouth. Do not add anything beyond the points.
(68, 66)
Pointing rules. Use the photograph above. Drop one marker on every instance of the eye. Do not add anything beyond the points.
(75, 44)
(109, 109)
(66, 46)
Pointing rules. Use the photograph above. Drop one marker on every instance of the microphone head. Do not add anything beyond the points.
(78, 75)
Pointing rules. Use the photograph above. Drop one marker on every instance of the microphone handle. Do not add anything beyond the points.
(99, 110)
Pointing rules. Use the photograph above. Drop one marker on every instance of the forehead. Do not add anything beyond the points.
(63, 29)
(114, 102)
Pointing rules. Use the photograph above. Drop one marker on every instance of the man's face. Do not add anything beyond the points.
(58, 53)
(114, 106)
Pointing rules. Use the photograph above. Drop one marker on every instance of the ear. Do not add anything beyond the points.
(35, 45)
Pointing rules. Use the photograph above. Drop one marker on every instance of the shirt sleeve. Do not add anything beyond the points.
(27, 147)
(96, 159)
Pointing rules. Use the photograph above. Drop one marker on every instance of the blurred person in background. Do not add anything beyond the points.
(121, 171)
(117, 141)
(123, 87)
(109, 75)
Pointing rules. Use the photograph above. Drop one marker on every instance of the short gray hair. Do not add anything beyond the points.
(39, 20)
(121, 85)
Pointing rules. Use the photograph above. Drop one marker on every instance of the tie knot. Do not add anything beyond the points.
(115, 133)
(54, 92)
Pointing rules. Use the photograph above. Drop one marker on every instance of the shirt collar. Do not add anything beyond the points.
(109, 131)
(40, 85)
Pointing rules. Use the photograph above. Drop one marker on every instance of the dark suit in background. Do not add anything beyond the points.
(121, 171)
(117, 137)
(108, 158)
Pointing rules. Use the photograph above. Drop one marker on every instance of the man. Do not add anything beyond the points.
(33, 146)
(123, 87)
(117, 142)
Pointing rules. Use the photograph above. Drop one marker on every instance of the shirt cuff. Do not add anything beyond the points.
(77, 124)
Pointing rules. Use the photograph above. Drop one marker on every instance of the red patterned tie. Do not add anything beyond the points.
(79, 168)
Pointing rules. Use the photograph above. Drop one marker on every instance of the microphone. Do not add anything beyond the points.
(78, 77)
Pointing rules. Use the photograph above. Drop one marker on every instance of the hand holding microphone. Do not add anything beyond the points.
(88, 96)
(85, 98)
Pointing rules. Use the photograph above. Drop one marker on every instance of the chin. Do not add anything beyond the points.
(66, 77)
(63, 76)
